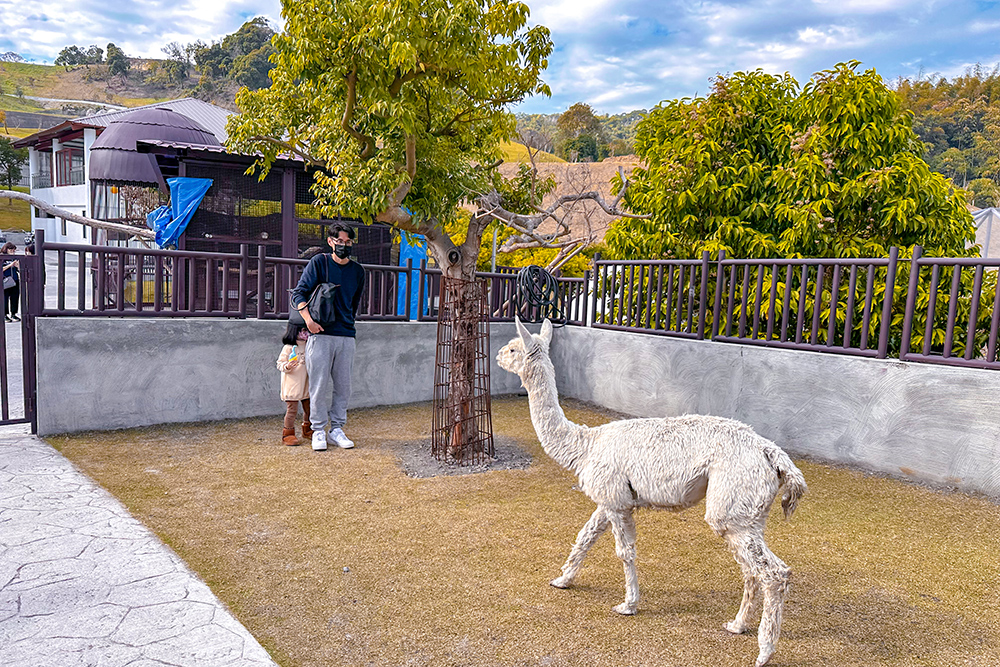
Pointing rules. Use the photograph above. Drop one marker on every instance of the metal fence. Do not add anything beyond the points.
(122, 281)
(935, 310)
(930, 309)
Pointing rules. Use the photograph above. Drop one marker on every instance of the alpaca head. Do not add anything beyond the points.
(515, 355)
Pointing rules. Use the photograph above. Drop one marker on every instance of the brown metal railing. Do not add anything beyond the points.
(936, 310)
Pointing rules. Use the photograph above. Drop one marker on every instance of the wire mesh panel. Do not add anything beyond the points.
(463, 427)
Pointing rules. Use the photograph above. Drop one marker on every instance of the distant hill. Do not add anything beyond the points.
(11, 57)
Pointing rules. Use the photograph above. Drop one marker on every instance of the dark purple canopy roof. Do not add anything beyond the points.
(113, 156)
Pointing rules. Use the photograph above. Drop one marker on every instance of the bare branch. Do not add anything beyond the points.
(73, 217)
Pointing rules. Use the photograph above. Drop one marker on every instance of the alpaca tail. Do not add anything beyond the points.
(791, 479)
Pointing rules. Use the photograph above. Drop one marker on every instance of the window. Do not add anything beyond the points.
(69, 167)
(39, 213)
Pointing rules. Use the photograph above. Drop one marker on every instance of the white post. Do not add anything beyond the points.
(89, 135)
(989, 230)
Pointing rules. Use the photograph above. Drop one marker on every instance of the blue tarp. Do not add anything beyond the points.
(413, 247)
(169, 222)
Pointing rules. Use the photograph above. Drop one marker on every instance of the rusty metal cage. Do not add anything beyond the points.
(463, 426)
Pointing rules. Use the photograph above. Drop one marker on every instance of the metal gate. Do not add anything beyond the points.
(18, 381)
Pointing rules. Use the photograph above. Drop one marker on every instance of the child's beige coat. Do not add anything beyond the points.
(294, 382)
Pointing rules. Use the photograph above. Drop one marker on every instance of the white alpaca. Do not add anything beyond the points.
(666, 464)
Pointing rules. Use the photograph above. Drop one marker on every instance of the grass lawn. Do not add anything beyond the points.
(514, 152)
(18, 132)
(338, 558)
(15, 215)
(10, 102)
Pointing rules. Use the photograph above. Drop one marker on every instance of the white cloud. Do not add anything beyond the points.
(984, 26)
(840, 7)
(572, 15)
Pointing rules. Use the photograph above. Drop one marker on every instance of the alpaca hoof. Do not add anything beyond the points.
(764, 656)
(560, 582)
(625, 609)
(734, 628)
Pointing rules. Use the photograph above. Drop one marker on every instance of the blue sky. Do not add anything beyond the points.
(616, 55)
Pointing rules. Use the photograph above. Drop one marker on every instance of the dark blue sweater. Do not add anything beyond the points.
(350, 277)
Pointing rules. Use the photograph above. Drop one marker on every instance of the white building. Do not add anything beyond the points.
(59, 162)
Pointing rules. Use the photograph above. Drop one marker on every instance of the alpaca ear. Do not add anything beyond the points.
(546, 333)
(526, 337)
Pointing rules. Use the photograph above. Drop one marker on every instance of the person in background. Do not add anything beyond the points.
(11, 284)
(330, 348)
(294, 382)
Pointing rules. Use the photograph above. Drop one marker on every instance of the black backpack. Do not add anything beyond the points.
(321, 304)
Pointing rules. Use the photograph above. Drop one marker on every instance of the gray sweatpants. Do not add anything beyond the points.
(329, 360)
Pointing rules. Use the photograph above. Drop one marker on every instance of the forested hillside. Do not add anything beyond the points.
(580, 135)
(958, 121)
(108, 75)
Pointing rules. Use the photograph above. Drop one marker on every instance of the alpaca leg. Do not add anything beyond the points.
(623, 527)
(741, 624)
(591, 530)
(768, 572)
(775, 582)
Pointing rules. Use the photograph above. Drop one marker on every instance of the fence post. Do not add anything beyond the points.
(409, 287)
(717, 307)
(244, 267)
(35, 296)
(592, 315)
(911, 301)
(261, 253)
(420, 291)
(703, 299)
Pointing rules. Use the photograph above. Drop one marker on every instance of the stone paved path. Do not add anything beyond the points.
(83, 583)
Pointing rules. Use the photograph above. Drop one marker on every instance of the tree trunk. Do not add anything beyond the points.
(459, 290)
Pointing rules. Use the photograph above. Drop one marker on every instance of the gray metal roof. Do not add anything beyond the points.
(113, 156)
(209, 116)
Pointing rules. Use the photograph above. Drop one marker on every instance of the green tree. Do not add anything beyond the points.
(398, 111)
(95, 55)
(983, 192)
(252, 70)
(118, 62)
(582, 149)
(11, 162)
(579, 131)
(761, 168)
(212, 62)
(251, 36)
(70, 56)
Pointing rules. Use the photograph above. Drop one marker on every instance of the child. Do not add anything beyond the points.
(294, 382)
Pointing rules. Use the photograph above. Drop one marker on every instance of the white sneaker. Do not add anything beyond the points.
(319, 440)
(337, 434)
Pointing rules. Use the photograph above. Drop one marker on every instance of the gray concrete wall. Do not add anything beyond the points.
(96, 374)
(925, 422)
(929, 423)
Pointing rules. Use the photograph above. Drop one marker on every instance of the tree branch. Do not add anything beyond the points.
(309, 159)
(367, 143)
(73, 217)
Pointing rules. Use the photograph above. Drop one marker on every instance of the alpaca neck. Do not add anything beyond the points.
(560, 438)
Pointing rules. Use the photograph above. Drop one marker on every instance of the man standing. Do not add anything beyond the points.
(330, 348)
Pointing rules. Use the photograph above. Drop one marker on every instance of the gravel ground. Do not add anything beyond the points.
(416, 460)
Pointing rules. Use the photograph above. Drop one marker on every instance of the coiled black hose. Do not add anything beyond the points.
(538, 290)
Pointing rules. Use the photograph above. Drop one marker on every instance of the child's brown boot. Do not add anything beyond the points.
(307, 430)
(288, 437)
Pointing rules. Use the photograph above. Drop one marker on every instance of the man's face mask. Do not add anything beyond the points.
(342, 251)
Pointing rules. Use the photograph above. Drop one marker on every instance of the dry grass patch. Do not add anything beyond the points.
(338, 558)
(15, 215)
